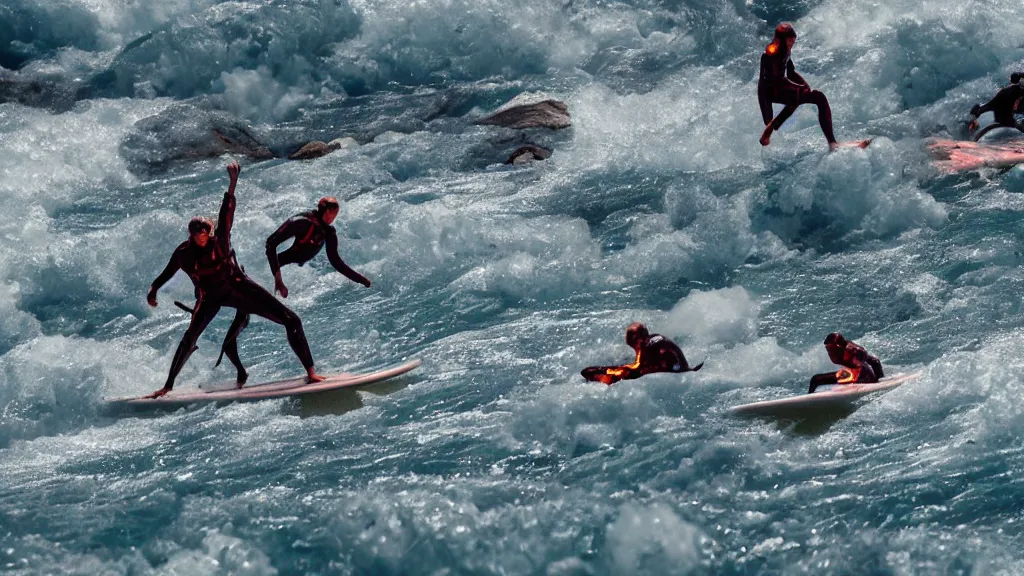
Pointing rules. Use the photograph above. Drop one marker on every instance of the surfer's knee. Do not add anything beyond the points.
(817, 97)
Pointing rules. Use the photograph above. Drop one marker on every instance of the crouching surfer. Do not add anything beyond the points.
(309, 232)
(654, 353)
(1003, 106)
(858, 366)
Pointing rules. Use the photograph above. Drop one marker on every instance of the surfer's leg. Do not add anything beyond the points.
(783, 115)
(254, 299)
(876, 367)
(205, 310)
(821, 380)
(230, 346)
(824, 113)
(867, 374)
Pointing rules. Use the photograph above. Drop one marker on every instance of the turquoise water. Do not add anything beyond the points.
(658, 205)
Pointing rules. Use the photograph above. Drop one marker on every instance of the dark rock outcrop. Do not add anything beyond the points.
(530, 111)
(184, 133)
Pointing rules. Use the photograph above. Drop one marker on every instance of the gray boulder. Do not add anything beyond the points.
(530, 110)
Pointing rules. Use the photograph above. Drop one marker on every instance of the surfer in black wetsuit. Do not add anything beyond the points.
(1003, 106)
(311, 231)
(209, 261)
(779, 83)
(654, 353)
(859, 367)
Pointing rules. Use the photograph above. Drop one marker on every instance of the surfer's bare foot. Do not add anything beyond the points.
(242, 378)
(312, 376)
(833, 146)
(159, 393)
(766, 136)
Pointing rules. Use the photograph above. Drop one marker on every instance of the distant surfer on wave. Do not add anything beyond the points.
(779, 83)
(1003, 106)
(654, 353)
(859, 367)
(310, 231)
(209, 261)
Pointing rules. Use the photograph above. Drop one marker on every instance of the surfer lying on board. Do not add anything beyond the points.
(310, 231)
(209, 261)
(859, 367)
(1003, 106)
(654, 353)
(779, 83)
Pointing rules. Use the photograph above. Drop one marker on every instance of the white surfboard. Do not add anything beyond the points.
(824, 399)
(276, 389)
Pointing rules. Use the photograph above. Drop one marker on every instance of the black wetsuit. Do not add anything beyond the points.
(779, 83)
(220, 282)
(310, 233)
(659, 354)
(860, 367)
(1003, 106)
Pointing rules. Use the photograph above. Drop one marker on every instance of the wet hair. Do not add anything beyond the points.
(198, 224)
(327, 203)
(835, 339)
(784, 30)
(635, 332)
(1015, 77)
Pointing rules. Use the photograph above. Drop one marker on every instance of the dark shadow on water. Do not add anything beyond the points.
(818, 424)
(800, 425)
(335, 402)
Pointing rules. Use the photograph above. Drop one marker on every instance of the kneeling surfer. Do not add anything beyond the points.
(858, 366)
(654, 353)
(1003, 106)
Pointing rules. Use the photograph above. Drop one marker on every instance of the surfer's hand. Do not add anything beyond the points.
(151, 298)
(161, 392)
(279, 287)
(233, 170)
(973, 125)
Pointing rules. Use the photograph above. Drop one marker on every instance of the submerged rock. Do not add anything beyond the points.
(316, 148)
(340, 143)
(310, 150)
(37, 91)
(183, 133)
(528, 153)
(530, 110)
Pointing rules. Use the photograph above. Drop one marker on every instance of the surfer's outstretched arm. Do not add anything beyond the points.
(338, 263)
(172, 266)
(792, 74)
(763, 99)
(226, 218)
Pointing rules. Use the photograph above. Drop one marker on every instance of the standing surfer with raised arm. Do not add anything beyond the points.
(779, 83)
(209, 261)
